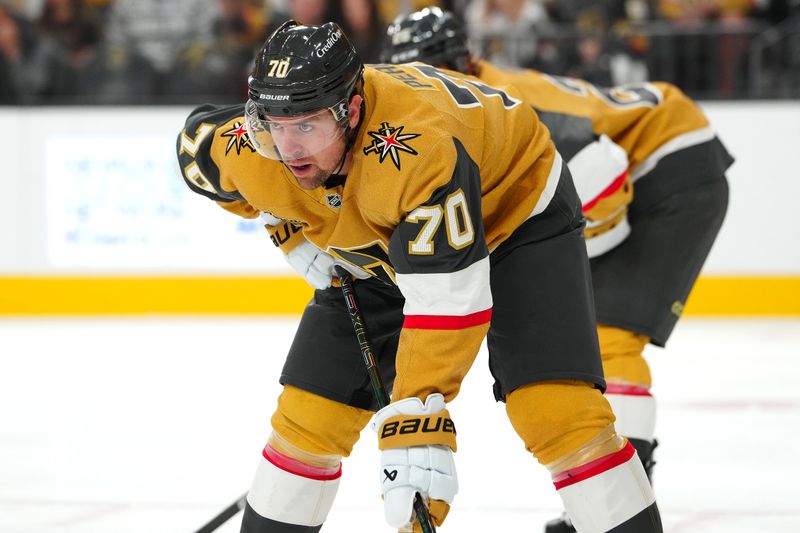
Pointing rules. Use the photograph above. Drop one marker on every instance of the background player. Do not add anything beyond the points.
(650, 226)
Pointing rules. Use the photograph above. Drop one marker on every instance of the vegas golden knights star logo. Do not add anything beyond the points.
(390, 141)
(237, 138)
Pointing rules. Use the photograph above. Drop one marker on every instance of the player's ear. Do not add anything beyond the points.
(355, 110)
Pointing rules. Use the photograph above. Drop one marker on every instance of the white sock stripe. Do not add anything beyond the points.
(602, 502)
(636, 415)
(285, 497)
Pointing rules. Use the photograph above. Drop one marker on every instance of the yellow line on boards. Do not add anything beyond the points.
(145, 295)
(288, 295)
(745, 296)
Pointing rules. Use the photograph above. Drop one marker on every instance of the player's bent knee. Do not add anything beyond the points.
(555, 418)
(318, 425)
(621, 351)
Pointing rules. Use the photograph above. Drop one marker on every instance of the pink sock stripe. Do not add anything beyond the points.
(608, 191)
(293, 466)
(627, 390)
(446, 321)
(593, 468)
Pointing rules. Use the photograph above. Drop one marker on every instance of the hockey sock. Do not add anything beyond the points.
(298, 475)
(610, 494)
(628, 378)
(635, 409)
(290, 495)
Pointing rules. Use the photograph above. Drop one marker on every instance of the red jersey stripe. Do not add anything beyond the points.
(608, 191)
(447, 322)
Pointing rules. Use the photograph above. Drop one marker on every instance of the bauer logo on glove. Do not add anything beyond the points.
(401, 431)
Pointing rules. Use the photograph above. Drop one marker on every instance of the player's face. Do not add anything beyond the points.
(311, 146)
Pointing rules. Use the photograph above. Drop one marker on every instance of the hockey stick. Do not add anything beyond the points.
(423, 516)
(225, 515)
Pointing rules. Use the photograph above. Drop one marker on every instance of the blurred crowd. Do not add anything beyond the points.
(190, 51)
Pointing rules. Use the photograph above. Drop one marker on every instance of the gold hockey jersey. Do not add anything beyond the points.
(444, 169)
(648, 121)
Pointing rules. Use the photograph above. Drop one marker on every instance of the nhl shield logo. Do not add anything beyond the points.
(334, 200)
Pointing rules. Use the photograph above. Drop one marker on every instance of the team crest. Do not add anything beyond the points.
(390, 141)
(238, 138)
(334, 200)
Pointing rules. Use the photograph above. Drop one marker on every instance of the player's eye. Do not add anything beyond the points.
(274, 126)
(305, 127)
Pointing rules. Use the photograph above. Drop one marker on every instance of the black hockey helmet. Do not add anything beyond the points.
(431, 35)
(301, 70)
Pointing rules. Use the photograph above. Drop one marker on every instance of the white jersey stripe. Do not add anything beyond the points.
(673, 145)
(447, 294)
(600, 244)
(549, 187)
(596, 167)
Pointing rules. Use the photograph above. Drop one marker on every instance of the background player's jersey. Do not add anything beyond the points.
(444, 169)
(649, 121)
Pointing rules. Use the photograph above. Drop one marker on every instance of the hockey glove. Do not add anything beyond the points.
(417, 442)
(313, 264)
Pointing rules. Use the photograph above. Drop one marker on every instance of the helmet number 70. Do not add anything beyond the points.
(278, 68)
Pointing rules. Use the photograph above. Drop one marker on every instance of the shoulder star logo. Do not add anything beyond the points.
(389, 141)
(238, 138)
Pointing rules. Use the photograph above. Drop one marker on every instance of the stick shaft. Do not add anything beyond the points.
(225, 515)
(360, 327)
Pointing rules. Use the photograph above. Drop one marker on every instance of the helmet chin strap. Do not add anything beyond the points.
(350, 137)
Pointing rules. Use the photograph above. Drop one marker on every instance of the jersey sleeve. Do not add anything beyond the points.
(441, 263)
(285, 235)
(195, 157)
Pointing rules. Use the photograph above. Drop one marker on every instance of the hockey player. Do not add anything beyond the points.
(650, 226)
(449, 202)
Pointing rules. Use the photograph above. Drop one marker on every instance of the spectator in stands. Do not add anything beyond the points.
(592, 62)
(99, 73)
(60, 20)
(209, 67)
(29, 66)
(303, 11)
(156, 29)
(504, 30)
(732, 46)
(360, 21)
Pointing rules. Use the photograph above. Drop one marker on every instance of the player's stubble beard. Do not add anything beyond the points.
(323, 169)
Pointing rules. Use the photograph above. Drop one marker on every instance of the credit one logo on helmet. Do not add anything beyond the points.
(333, 39)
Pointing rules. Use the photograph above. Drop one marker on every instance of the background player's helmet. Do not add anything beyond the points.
(301, 71)
(431, 35)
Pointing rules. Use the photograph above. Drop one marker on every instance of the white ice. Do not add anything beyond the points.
(156, 424)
